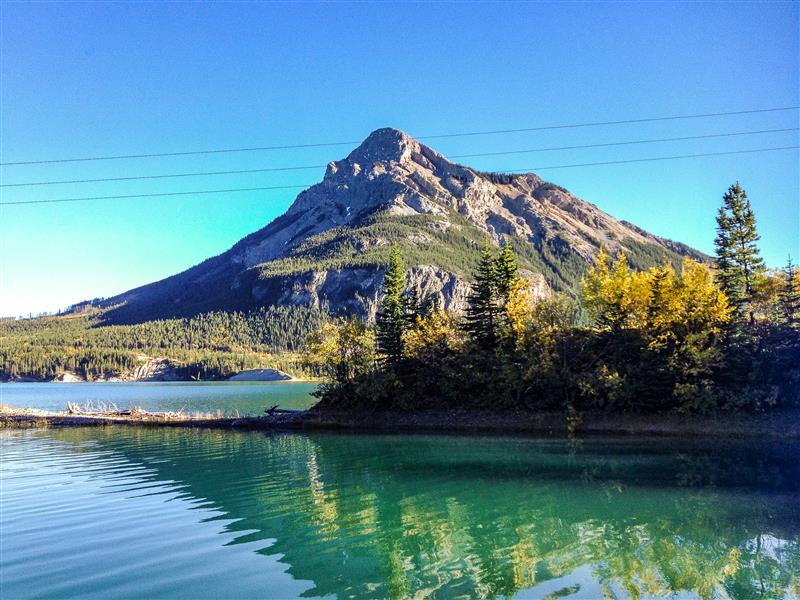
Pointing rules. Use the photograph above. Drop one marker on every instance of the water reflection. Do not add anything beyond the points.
(417, 516)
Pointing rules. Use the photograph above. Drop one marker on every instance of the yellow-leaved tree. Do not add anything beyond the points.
(665, 326)
(685, 304)
(432, 336)
(519, 309)
(341, 350)
(658, 300)
(616, 297)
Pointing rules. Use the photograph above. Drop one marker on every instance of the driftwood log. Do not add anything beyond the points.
(274, 410)
(73, 408)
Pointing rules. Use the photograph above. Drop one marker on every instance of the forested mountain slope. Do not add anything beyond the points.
(208, 346)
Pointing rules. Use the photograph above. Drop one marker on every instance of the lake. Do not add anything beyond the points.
(248, 398)
(179, 513)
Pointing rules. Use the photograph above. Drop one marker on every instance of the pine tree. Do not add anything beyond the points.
(505, 270)
(739, 264)
(790, 295)
(482, 310)
(661, 301)
(430, 304)
(391, 320)
(412, 307)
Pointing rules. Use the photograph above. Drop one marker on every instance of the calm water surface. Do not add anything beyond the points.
(247, 398)
(204, 514)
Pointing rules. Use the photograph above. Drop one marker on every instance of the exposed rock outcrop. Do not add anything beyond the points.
(154, 369)
(67, 377)
(357, 290)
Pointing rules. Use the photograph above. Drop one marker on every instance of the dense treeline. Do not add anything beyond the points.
(208, 346)
(695, 338)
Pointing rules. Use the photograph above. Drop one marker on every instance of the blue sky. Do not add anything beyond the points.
(92, 78)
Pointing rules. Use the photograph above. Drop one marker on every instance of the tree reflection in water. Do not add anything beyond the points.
(411, 516)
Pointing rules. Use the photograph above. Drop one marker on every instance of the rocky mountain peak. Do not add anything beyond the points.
(385, 144)
(329, 248)
(390, 172)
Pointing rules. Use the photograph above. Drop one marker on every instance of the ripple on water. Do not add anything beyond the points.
(182, 513)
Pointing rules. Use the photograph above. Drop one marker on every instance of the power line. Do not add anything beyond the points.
(285, 187)
(164, 154)
(627, 143)
(636, 160)
(599, 123)
(424, 137)
(253, 189)
(164, 176)
(306, 167)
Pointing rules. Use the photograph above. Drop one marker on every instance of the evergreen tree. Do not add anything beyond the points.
(412, 307)
(391, 320)
(482, 310)
(505, 270)
(430, 304)
(790, 295)
(739, 264)
(661, 287)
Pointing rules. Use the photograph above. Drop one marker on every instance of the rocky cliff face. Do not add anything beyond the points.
(329, 248)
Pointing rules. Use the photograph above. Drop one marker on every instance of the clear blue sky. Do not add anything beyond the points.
(95, 78)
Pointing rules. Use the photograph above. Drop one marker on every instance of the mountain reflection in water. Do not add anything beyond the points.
(396, 516)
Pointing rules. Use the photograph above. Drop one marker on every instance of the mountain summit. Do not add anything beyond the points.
(330, 247)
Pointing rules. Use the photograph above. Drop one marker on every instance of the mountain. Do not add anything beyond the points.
(329, 248)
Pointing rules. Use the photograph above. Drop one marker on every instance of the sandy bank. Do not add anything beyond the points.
(261, 375)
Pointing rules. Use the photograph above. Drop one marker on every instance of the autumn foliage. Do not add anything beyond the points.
(655, 340)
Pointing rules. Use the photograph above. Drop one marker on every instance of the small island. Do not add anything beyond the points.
(711, 339)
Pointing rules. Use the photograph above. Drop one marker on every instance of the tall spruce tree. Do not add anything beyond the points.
(412, 307)
(505, 270)
(430, 304)
(738, 261)
(790, 295)
(482, 312)
(391, 319)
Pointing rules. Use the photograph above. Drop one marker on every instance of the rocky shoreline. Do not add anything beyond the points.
(769, 425)
(26, 418)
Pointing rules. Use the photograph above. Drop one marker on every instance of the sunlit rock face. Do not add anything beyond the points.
(330, 247)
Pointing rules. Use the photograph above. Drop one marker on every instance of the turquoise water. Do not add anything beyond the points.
(248, 398)
(157, 513)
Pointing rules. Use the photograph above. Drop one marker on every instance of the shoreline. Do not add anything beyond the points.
(782, 424)
(292, 379)
(162, 370)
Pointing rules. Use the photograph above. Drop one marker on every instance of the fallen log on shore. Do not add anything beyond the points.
(76, 416)
(74, 409)
(274, 410)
